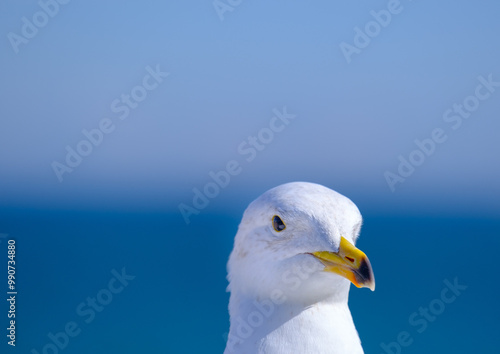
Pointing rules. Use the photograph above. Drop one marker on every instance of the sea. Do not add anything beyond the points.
(127, 282)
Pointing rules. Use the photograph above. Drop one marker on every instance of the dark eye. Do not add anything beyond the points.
(278, 224)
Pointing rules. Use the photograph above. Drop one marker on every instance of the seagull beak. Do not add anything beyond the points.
(349, 262)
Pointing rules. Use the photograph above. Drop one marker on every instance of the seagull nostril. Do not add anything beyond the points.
(350, 259)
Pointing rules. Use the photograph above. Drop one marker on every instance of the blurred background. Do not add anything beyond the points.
(116, 116)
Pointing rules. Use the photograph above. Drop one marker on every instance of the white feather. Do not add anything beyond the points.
(281, 300)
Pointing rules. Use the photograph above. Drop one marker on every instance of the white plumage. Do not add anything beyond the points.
(288, 288)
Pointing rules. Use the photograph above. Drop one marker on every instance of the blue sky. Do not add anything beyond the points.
(353, 119)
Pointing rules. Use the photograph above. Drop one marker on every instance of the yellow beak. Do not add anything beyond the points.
(349, 262)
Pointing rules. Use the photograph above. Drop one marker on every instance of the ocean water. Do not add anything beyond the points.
(169, 296)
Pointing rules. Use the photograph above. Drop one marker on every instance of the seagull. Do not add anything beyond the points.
(290, 271)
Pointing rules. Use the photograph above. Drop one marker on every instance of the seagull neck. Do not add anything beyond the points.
(246, 307)
(258, 323)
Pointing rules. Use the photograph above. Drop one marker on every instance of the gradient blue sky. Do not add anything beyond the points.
(353, 119)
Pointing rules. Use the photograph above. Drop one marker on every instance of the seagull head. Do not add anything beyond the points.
(298, 239)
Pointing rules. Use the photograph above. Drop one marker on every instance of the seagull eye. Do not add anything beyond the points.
(278, 224)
